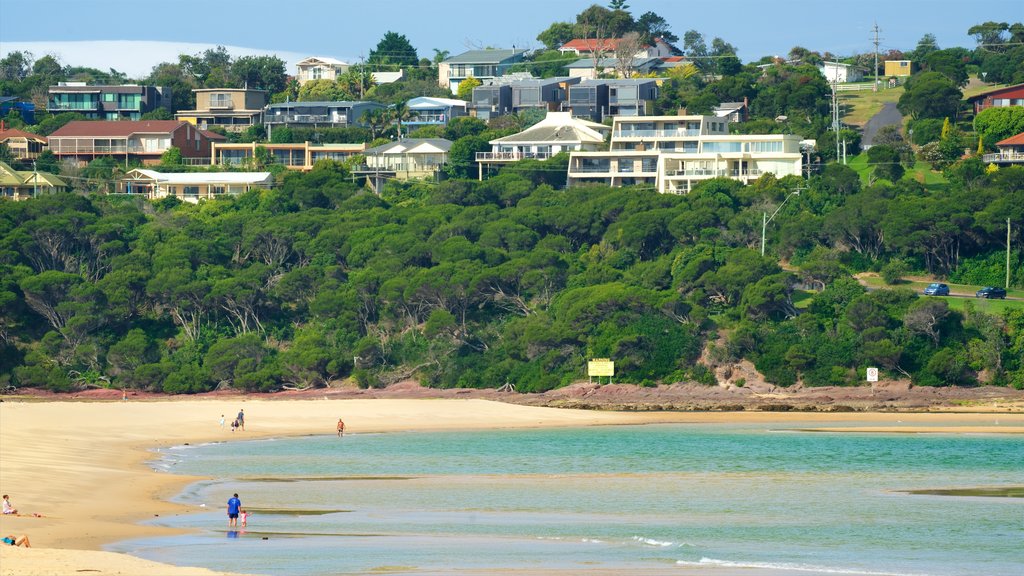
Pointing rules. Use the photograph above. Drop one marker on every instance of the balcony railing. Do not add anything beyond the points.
(73, 105)
(221, 105)
(427, 119)
(304, 119)
(679, 133)
(511, 156)
(591, 169)
(87, 149)
(1004, 157)
(734, 173)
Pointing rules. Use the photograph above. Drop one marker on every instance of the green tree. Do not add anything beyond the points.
(394, 50)
(465, 91)
(930, 95)
(998, 123)
(556, 35)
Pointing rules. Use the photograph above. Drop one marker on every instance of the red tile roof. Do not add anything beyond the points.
(1017, 140)
(591, 44)
(997, 91)
(13, 133)
(94, 128)
(213, 135)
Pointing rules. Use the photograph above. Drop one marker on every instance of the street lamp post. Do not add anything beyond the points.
(766, 218)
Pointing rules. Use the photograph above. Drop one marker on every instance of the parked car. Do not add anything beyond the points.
(990, 292)
(936, 289)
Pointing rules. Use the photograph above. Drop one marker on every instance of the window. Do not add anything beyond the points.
(649, 165)
(722, 147)
(625, 165)
(110, 97)
(762, 147)
(220, 100)
(317, 72)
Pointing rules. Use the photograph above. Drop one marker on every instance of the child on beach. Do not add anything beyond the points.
(8, 509)
(244, 517)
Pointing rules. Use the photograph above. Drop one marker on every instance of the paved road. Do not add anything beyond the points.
(888, 115)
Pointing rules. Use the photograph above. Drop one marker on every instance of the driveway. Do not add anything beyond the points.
(887, 116)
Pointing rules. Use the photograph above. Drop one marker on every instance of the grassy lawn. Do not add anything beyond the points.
(860, 106)
(922, 171)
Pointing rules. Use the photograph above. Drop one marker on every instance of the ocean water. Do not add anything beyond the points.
(624, 499)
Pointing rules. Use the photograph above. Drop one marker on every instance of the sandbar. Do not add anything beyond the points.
(82, 465)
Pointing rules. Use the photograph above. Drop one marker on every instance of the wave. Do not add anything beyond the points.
(653, 542)
(789, 566)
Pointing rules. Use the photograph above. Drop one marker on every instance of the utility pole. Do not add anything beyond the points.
(35, 183)
(765, 219)
(1007, 253)
(876, 41)
(835, 112)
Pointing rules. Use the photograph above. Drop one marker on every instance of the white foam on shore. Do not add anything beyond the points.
(653, 542)
(787, 566)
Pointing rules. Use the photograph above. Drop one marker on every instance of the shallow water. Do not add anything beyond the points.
(632, 499)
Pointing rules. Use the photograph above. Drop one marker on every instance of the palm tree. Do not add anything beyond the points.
(376, 120)
(400, 113)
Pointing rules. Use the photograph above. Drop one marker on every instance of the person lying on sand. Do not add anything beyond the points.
(17, 540)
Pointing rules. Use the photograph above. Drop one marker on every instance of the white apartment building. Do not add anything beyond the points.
(674, 153)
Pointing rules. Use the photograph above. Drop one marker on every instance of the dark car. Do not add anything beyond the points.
(936, 289)
(990, 292)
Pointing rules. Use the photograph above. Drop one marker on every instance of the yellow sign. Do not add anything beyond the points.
(601, 367)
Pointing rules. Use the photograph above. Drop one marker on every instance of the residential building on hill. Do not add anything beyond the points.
(404, 159)
(840, 73)
(25, 184)
(191, 186)
(557, 132)
(23, 145)
(674, 153)
(126, 102)
(598, 99)
(319, 68)
(515, 95)
(898, 68)
(430, 111)
(334, 114)
(1011, 152)
(144, 141)
(233, 109)
(484, 65)
(589, 47)
(294, 156)
(999, 97)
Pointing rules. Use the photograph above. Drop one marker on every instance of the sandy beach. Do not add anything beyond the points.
(82, 465)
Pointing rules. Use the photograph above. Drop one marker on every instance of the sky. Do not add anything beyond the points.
(349, 29)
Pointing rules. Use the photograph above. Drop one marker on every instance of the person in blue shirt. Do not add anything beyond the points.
(234, 504)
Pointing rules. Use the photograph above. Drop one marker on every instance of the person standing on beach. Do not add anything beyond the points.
(222, 421)
(234, 505)
(241, 419)
(341, 428)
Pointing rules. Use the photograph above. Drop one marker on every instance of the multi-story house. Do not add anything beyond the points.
(597, 99)
(233, 109)
(191, 186)
(22, 145)
(515, 95)
(557, 132)
(295, 156)
(484, 65)
(429, 111)
(404, 159)
(1000, 97)
(319, 68)
(127, 102)
(674, 153)
(25, 184)
(337, 114)
(143, 141)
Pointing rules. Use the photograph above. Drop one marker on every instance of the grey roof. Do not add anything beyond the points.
(495, 56)
(616, 82)
(407, 143)
(613, 62)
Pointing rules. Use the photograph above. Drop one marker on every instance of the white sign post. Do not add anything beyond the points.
(872, 374)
